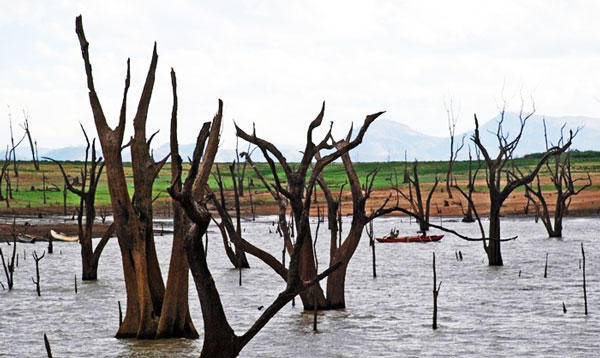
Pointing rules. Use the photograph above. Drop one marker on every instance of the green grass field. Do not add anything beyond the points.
(30, 192)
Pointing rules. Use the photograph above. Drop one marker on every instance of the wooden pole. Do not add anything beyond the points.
(546, 267)
(75, 284)
(65, 199)
(372, 244)
(44, 186)
(47, 344)
(584, 286)
(373, 255)
(436, 291)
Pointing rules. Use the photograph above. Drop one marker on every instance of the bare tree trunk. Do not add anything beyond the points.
(37, 271)
(143, 281)
(175, 320)
(25, 126)
(493, 249)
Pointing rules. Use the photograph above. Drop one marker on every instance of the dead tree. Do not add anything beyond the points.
(14, 154)
(251, 197)
(48, 348)
(501, 166)
(237, 192)
(344, 250)
(44, 186)
(299, 190)
(36, 282)
(9, 156)
(585, 302)
(559, 168)
(25, 127)
(219, 338)
(9, 265)
(148, 314)
(436, 292)
(371, 236)
(472, 177)
(452, 119)
(415, 198)
(240, 170)
(90, 176)
(236, 256)
(283, 228)
(175, 317)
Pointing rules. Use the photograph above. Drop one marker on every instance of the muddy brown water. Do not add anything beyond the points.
(483, 311)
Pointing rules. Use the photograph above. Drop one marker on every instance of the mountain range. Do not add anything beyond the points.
(387, 140)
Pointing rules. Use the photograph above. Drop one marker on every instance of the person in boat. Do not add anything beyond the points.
(393, 233)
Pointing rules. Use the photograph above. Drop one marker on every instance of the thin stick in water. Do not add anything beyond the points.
(47, 344)
(584, 286)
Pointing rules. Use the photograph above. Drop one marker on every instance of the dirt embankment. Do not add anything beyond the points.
(586, 203)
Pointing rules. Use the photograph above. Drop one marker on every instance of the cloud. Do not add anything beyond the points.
(273, 62)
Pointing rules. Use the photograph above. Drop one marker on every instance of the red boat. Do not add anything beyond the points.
(411, 238)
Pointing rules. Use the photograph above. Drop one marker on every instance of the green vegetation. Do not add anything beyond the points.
(30, 181)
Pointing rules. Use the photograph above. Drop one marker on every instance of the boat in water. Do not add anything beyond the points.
(63, 237)
(411, 238)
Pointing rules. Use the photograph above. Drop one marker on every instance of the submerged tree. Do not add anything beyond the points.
(146, 315)
(471, 178)
(562, 179)
(415, 198)
(452, 119)
(25, 127)
(9, 156)
(220, 339)
(236, 256)
(299, 191)
(90, 176)
(503, 178)
(344, 250)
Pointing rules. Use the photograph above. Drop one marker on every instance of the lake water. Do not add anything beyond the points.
(483, 311)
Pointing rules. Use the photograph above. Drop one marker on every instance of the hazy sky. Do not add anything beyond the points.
(274, 62)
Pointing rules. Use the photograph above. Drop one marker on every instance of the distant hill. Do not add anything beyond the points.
(387, 140)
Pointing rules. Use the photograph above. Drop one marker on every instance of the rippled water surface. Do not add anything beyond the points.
(483, 311)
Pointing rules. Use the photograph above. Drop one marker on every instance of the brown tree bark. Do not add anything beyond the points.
(90, 176)
(175, 320)
(133, 218)
(220, 339)
(25, 127)
(299, 193)
(564, 186)
(496, 168)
